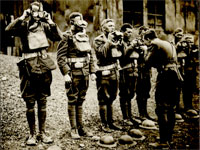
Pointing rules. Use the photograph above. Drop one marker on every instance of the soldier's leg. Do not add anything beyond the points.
(72, 95)
(171, 123)
(139, 96)
(28, 94)
(83, 86)
(188, 89)
(42, 119)
(43, 90)
(102, 98)
(131, 90)
(112, 89)
(123, 94)
(30, 115)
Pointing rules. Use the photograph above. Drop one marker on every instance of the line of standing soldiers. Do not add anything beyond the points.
(113, 49)
(121, 64)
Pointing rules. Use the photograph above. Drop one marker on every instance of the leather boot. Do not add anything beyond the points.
(103, 116)
(41, 119)
(123, 108)
(79, 121)
(110, 121)
(130, 116)
(30, 115)
(72, 119)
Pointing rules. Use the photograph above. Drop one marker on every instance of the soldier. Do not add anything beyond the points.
(76, 63)
(128, 74)
(33, 27)
(162, 56)
(188, 61)
(178, 35)
(107, 47)
(143, 86)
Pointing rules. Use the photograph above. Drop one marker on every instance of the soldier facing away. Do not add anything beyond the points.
(162, 56)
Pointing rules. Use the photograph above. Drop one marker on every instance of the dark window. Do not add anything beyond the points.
(133, 12)
(156, 11)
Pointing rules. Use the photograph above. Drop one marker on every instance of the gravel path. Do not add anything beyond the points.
(14, 128)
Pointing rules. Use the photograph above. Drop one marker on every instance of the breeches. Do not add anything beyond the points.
(127, 85)
(77, 92)
(107, 88)
(166, 97)
(37, 86)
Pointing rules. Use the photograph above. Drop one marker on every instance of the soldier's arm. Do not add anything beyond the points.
(16, 27)
(150, 56)
(92, 62)
(102, 47)
(53, 32)
(62, 55)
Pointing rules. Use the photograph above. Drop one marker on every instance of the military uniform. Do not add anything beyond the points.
(78, 64)
(162, 56)
(107, 78)
(128, 79)
(34, 69)
(143, 86)
(188, 62)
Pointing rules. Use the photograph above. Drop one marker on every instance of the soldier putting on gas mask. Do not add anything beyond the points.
(128, 74)
(188, 61)
(107, 48)
(143, 86)
(34, 27)
(76, 63)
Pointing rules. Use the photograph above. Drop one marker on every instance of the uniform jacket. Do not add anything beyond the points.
(161, 53)
(20, 28)
(67, 49)
(103, 51)
(190, 53)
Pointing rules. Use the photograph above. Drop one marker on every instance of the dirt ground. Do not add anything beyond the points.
(14, 128)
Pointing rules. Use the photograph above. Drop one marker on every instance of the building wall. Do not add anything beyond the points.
(179, 13)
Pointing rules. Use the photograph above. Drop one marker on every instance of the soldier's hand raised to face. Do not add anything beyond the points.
(25, 14)
(48, 17)
(67, 78)
(93, 77)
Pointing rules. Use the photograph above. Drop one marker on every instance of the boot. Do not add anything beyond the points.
(142, 107)
(72, 119)
(41, 119)
(127, 121)
(130, 116)
(30, 115)
(123, 109)
(103, 116)
(110, 121)
(81, 130)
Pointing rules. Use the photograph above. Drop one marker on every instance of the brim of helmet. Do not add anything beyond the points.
(129, 145)
(149, 128)
(179, 120)
(139, 139)
(193, 117)
(107, 145)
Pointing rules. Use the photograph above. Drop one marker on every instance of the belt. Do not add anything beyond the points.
(127, 66)
(74, 60)
(34, 54)
(108, 67)
(170, 65)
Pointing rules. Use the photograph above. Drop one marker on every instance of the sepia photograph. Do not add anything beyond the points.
(99, 74)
